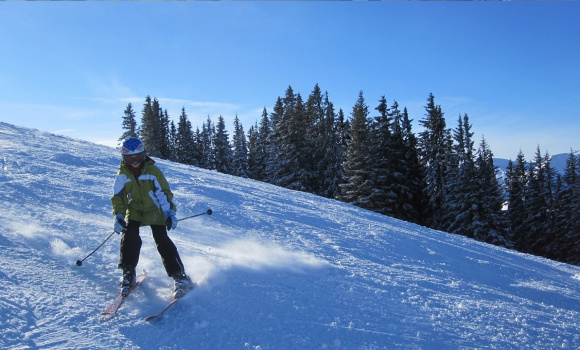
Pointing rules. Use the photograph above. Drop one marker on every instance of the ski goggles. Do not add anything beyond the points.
(134, 159)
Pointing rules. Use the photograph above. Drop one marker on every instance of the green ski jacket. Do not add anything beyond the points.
(144, 199)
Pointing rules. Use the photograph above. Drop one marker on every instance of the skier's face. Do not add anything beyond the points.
(134, 160)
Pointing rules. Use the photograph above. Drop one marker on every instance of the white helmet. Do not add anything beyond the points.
(133, 151)
(132, 146)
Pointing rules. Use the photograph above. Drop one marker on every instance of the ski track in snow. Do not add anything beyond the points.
(277, 269)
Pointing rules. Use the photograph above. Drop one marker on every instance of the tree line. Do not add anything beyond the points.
(437, 178)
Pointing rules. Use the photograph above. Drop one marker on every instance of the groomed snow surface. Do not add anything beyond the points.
(277, 269)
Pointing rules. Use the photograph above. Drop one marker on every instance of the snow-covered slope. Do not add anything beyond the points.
(277, 269)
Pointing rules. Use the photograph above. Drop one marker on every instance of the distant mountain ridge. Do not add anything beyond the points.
(558, 162)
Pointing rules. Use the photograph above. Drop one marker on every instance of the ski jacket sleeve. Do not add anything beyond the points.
(160, 192)
(119, 199)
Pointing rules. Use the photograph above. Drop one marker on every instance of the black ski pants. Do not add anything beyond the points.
(131, 248)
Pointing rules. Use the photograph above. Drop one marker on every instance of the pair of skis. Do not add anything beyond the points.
(116, 304)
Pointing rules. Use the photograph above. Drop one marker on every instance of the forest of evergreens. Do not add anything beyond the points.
(372, 159)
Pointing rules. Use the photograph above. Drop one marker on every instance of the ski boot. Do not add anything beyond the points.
(181, 285)
(127, 281)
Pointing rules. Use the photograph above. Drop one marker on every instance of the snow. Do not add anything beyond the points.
(277, 269)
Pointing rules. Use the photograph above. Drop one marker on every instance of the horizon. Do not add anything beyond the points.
(72, 68)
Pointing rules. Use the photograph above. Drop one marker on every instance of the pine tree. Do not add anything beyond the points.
(316, 139)
(550, 190)
(155, 129)
(223, 151)
(129, 123)
(184, 143)
(381, 159)
(534, 237)
(492, 225)
(517, 185)
(198, 148)
(343, 131)
(415, 204)
(207, 139)
(460, 208)
(149, 127)
(253, 135)
(294, 156)
(261, 149)
(358, 186)
(435, 149)
(567, 245)
(329, 167)
(164, 135)
(172, 141)
(398, 167)
(273, 168)
(240, 150)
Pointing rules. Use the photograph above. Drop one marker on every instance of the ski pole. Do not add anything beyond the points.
(208, 212)
(80, 262)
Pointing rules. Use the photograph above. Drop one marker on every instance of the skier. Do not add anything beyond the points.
(141, 197)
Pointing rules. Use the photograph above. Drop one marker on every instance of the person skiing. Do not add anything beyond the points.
(141, 197)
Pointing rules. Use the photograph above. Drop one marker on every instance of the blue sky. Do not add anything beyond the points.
(514, 67)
